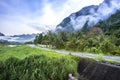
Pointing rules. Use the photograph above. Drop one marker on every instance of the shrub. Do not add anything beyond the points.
(39, 67)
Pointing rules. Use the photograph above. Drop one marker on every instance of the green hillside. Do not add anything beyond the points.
(103, 38)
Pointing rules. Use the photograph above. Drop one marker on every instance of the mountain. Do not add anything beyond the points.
(90, 16)
(18, 38)
(1, 34)
(25, 37)
(111, 25)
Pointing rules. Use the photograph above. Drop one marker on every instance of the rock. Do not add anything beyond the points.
(93, 70)
(71, 77)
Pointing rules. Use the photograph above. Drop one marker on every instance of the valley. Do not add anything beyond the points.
(49, 40)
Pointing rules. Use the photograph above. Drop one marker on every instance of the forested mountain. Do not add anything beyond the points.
(111, 25)
(94, 29)
(89, 16)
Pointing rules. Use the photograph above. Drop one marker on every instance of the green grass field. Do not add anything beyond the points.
(23, 51)
(27, 63)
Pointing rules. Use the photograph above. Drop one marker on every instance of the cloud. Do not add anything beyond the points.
(49, 16)
(43, 28)
(15, 15)
(93, 16)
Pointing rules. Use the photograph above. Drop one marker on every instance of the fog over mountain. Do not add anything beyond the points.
(1, 34)
(31, 16)
(19, 38)
(89, 15)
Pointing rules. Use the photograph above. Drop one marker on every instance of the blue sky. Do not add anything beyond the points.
(36, 16)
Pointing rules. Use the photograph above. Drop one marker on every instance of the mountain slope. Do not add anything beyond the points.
(1, 34)
(19, 38)
(90, 15)
(111, 25)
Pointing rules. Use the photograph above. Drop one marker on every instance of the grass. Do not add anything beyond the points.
(99, 57)
(27, 63)
(23, 51)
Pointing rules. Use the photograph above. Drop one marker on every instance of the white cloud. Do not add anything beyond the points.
(53, 17)
(17, 21)
(49, 16)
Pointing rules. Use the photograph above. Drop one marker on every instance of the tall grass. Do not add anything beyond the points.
(36, 64)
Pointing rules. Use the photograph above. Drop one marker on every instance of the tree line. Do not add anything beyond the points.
(94, 40)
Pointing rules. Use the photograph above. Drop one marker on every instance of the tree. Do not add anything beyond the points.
(63, 36)
(81, 44)
(58, 42)
(38, 39)
(71, 44)
(95, 31)
(107, 47)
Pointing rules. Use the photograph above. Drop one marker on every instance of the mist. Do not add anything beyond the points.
(91, 14)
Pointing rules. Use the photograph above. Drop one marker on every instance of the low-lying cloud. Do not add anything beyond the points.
(91, 15)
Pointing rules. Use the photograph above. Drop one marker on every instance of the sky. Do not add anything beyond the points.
(36, 16)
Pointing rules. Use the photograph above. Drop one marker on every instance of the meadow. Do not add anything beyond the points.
(26, 63)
